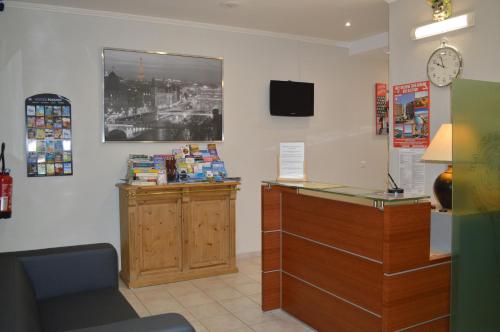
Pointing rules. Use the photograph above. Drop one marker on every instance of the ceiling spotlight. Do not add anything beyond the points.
(347, 24)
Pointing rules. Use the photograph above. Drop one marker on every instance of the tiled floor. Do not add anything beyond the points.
(228, 303)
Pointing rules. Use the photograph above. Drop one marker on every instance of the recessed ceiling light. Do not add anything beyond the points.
(229, 4)
(347, 24)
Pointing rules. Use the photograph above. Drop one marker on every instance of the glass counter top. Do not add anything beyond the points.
(374, 197)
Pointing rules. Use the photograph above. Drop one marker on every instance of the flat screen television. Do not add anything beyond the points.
(288, 98)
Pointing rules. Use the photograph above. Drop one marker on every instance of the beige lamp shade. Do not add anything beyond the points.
(439, 151)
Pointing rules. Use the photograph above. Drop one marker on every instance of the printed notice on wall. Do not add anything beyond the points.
(291, 161)
(412, 171)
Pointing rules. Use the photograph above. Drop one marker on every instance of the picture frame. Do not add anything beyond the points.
(161, 97)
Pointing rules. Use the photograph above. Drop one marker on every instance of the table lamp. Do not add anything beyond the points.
(439, 151)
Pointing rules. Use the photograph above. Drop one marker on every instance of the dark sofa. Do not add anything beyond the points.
(71, 289)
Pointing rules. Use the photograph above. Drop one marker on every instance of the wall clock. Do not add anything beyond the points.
(444, 64)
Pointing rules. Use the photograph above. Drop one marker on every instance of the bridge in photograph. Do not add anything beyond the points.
(129, 130)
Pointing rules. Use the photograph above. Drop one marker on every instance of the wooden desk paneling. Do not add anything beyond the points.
(271, 209)
(345, 275)
(271, 290)
(416, 296)
(406, 236)
(440, 325)
(271, 251)
(323, 311)
(352, 267)
(348, 226)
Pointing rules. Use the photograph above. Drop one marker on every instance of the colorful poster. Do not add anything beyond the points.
(48, 135)
(411, 115)
(381, 109)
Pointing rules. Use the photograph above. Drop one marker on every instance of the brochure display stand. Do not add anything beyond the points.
(48, 135)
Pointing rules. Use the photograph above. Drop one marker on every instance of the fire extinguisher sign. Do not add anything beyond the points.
(48, 136)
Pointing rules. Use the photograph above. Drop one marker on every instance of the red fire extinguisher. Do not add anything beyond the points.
(5, 189)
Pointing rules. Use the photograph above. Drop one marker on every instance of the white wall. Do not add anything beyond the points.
(43, 51)
(479, 46)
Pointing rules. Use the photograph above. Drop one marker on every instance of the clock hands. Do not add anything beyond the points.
(442, 64)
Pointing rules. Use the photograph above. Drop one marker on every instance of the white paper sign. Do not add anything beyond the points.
(291, 163)
(412, 171)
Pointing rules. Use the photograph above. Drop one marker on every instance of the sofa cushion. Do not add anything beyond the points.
(18, 307)
(69, 270)
(83, 310)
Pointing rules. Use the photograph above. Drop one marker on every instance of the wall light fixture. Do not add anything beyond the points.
(437, 28)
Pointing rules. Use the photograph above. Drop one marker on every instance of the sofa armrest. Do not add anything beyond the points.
(68, 270)
(161, 323)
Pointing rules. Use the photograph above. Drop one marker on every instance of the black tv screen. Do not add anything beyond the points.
(288, 98)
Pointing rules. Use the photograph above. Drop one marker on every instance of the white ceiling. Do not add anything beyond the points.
(311, 18)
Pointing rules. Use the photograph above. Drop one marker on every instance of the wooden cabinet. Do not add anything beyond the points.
(176, 232)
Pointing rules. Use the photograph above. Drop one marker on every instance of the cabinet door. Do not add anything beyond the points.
(160, 229)
(207, 229)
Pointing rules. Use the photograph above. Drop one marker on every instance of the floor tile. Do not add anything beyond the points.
(161, 306)
(198, 327)
(152, 292)
(239, 304)
(135, 303)
(182, 311)
(252, 316)
(222, 323)
(250, 268)
(194, 299)
(255, 276)
(257, 298)
(207, 310)
(157, 299)
(225, 293)
(278, 326)
(283, 315)
(249, 289)
(121, 284)
(237, 279)
(242, 329)
(209, 283)
(180, 289)
(226, 303)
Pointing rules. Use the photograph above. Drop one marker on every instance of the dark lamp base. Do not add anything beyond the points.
(443, 188)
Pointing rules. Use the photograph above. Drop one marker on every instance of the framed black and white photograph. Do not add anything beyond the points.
(160, 97)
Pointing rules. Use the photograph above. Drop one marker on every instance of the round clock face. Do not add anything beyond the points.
(444, 65)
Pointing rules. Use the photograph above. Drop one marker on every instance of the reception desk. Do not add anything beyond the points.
(349, 259)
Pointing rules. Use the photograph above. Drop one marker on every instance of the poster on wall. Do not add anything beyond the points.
(381, 109)
(411, 115)
(48, 135)
(160, 97)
